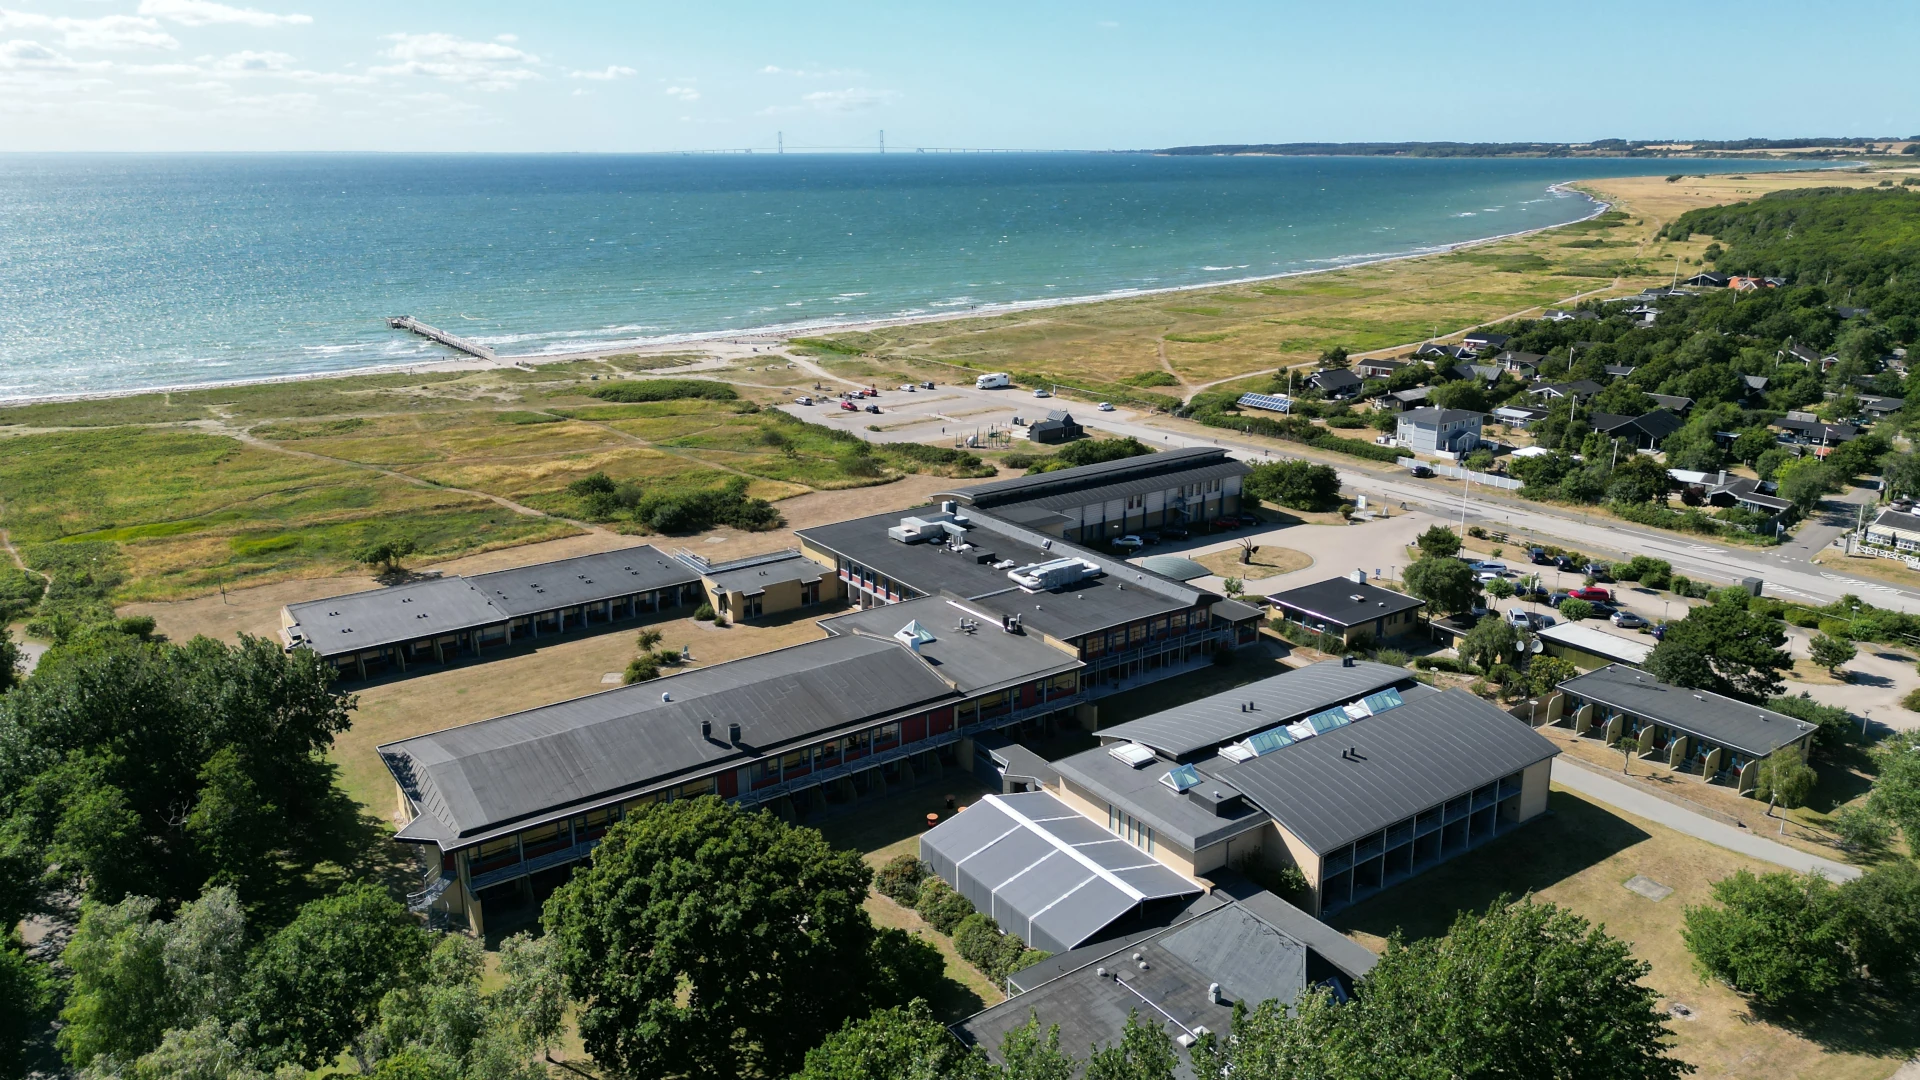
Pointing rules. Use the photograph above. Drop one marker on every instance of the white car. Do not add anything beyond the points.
(1041, 393)
(804, 400)
(1129, 541)
(910, 388)
(1104, 407)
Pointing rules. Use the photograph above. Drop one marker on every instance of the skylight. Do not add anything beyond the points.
(1134, 754)
(1182, 777)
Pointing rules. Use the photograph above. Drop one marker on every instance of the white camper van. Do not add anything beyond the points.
(996, 381)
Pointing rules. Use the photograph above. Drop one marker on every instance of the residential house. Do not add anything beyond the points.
(1803, 430)
(1581, 315)
(1350, 609)
(1723, 489)
(1645, 432)
(1618, 371)
(1058, 427)
(1695, 732)
(1810, 356)
(1449, 352)
(1518, 415)
(1378, 369)
(1894, 529)
(1678, 406)
(1711, 279)
(1485, 339)
(1433, 430)
(1335, 382)
(1486, 373)
(1401, 400)
(1587, 646)
(1578, 390)
(1756, 386)
(1875, 407)
(1750, 284)
(1524, 364)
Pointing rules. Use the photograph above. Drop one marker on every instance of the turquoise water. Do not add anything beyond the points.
(126, 271)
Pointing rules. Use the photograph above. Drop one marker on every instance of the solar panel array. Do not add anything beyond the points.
(1266, 742)
(1270, 402)
(1043, 872)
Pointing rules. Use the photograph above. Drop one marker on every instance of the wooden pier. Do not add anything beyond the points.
(472, 348)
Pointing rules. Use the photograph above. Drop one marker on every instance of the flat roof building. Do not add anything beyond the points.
(1586, 647)
(1095, 503)
(1349, 609)
(1717, 738)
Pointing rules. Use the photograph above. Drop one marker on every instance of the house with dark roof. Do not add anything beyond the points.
(1876, 407)
(1485, 339)
(1228, 949)
(1058, 427)
(1695, 732)
(1353, 772)
(1524, 364)
(1674, 404)
(1578, 390)
(1096, 503)
(1402, 400)
(440, 620)
(1434, 430)
(1894, 530)
(1377, 369)
(1799, 431)
(1811, 357)
(1486, 373)
(1617, 371)
(1335, 382)
(750, 588)
(1349, 608)
(1449, 352)
(1518, 415)
(1561, 315)
(1725, 489)
(1646, 432)
(1711, 279)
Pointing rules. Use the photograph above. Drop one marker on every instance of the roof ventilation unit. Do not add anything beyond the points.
(1358, 577)
(1053, 574)
(733, 734)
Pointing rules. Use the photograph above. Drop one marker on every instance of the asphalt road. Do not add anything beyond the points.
(953, 411)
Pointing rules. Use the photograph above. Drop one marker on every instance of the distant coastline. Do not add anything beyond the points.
(1811, 149)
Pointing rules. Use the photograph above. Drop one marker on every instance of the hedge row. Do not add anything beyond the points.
(976, 937)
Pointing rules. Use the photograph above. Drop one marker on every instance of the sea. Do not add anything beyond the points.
(124, 272)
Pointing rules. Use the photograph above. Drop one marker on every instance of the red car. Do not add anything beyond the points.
(849, 406)
(1594, 595)
(1226, 523)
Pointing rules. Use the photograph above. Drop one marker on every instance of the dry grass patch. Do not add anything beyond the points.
(1274, 561)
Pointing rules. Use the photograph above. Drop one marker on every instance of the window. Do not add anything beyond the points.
(1125, 825)
(1136, 502)
(810, 593)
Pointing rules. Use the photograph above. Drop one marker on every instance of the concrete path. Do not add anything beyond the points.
(1639, 803)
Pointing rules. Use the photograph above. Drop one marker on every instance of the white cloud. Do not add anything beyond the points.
(20, 55)
(483, 64)
(683, 93)
(852, 99)
(256, 62)
(102, 32)
(508, 38)
(608, 74)
(814, 73)
(208, 13)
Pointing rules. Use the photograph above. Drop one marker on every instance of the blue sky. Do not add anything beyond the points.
(605, 76)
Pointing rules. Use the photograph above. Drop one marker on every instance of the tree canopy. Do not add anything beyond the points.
(1724, 648)
(1301, 485)
(1445, 583)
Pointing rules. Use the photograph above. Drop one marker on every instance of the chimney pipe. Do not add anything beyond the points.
(706, 730)
(733, 734)
(1213, 993)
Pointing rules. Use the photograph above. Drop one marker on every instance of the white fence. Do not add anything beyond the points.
(1454, 472)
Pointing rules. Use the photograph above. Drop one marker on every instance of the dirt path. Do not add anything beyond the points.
(1160, 344)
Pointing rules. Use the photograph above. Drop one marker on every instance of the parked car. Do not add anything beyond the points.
(1249, 519)
(1041, 393)
(1554, 599)
(1539, 557)
(1599, 571)
(1421, 472)
(1149, 538)
(910, 387)
(804, 400)
(1627, 620)
(873, 408)
(1497, 569)
(1486, 577)
(1593, 594)
(1226, 523)
(1603, 610)
(1128, 542)
(1105, 406)
(928, 385)
(1174, 532)
(1659, 631)
(1564, 563)
(1519, 617)
(849, 406)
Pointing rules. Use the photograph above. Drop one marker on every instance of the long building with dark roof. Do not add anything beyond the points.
(1095, 503)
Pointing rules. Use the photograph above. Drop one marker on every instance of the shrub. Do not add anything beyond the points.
(1803, 618)
(703, 613)
(639, 390)
(1573, 611)
(642, 669)
(1391, 658)
(648, 639)
(942, 907)
(900, 877)
(1911, 702)
(1836, 628)
(1859, 828)
(1834, 724)
(1443, 663)
(668, 657)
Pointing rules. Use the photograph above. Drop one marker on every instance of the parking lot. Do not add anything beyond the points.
(948, 414)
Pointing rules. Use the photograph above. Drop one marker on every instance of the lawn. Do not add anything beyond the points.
(1580, 856)
(1268, 561)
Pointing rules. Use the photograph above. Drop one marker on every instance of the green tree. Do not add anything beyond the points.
(1144, 1052)
(1785, 778)
(9, 659)
(533, 999)
(1896, 788)
(696, 917)
(1638, 479)
(387, 554)
(1859, 829)
(1834, 724)
(147, 767)
(1531, 989)
(1545, 673)
(1883, 922)
(1777, 938)
(1445, 583)
(1438, 542)
(1499, 588)
(1832, 653)
(1314, 1040)
(1724, 648)
(1574, 611)
(135, 976)
(1902, 474)
(903, 1043)
(446, 1024)
(1301, 485)
(1032, 1054)
(26, 998)
(318, 981)
(1492, 641)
